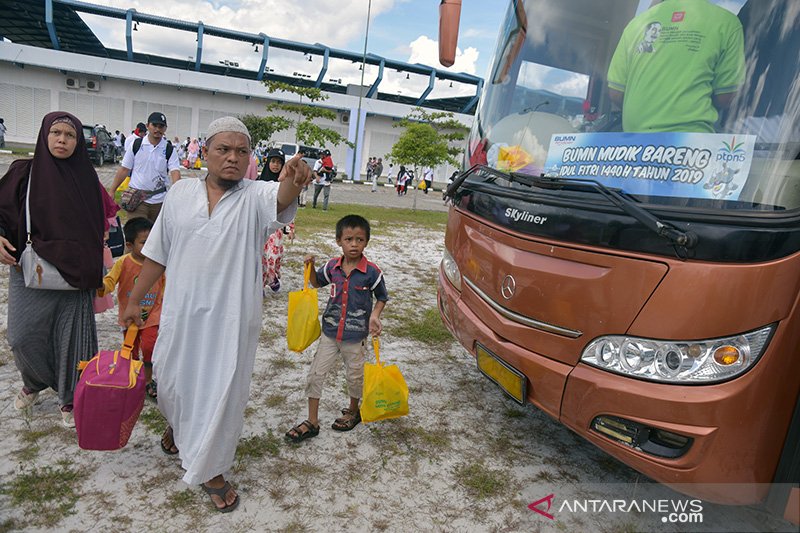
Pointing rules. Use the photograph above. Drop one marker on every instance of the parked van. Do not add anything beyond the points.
(310, 154)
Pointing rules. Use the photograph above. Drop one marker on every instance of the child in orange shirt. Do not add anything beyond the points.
(125, 272)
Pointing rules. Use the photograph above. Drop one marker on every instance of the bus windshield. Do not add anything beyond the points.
(688, 104)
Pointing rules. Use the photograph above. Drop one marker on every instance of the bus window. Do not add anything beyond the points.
(699, 75)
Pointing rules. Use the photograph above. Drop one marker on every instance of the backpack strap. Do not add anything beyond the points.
(137, 144)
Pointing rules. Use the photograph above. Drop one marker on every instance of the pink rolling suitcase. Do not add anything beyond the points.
(109, 397)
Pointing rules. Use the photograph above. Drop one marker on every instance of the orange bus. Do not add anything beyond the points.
(623, 246)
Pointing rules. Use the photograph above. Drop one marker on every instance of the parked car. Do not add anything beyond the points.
(100, 144)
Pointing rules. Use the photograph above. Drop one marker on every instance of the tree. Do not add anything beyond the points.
(308, 133)
(262, 128)
(428, 140)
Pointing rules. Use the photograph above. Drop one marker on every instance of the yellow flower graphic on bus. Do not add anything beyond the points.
(512, 158)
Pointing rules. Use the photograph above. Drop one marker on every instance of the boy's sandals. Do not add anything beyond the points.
(152, 390)
(302, 431)
(168, 442)
(221, 492)
(347, 422)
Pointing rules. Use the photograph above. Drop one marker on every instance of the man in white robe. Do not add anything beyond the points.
(209, 239)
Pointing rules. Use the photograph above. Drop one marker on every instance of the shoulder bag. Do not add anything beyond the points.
(132, 198)
(38, 273)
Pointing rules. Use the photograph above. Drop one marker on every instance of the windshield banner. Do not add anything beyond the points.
(687, 165)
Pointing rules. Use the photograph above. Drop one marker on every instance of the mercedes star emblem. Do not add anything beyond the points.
(508, 286)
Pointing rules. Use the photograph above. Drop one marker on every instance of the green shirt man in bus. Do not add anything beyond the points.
(676, 65)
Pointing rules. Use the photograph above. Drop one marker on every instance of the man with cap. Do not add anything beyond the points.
(208, 240)
(153, 165)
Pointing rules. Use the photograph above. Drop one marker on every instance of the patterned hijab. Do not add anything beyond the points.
(67, 214)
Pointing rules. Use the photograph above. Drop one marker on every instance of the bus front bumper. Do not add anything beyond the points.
(716, 465)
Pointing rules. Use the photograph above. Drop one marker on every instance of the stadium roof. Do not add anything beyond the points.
(55, 24)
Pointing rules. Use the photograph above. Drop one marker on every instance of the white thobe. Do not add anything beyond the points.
(211, 314)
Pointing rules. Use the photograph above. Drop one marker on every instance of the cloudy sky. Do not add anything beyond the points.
(405, 30)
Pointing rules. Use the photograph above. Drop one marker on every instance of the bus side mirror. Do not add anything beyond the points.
(449, 18)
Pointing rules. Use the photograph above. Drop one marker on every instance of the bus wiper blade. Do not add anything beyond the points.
(686, 239)
(491, 173)
(453, 187)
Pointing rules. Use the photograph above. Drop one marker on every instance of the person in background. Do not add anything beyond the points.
(124, 275)
(377, 170)
(193, 151)
(153, 167)
(50, 331)
(379, 167)
(273, 248)
(323, 172)
(348, 319)
(452, 177)
(213, 228)
(180, 148)
(3, 130)
(427, 175)
(373, 178)
(118, 140)
(402, 181)
(390, 174)
(138, 133)
(252, 167)
(370, 168)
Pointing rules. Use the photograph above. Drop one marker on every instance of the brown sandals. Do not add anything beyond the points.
(347, 422)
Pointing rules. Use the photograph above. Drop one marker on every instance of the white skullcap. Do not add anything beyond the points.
(224, 124)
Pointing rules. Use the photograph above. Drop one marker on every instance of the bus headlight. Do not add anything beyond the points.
(704, 361)
(450, 269)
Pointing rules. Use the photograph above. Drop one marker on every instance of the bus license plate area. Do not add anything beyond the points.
(511, 380)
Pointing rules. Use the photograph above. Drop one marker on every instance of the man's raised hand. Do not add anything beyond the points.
(296, 171)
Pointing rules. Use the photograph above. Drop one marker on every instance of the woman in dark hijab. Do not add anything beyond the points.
(49, 331)
(402, 178)
(272, 168)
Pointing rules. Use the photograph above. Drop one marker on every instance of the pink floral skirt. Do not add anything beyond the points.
(271, 258)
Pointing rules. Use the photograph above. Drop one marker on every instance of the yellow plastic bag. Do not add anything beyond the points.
(385, 393)
(122, 188)
(303, 325)
(198, 163)
(422, 185)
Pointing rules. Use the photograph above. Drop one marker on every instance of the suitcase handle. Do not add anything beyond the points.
(130, 339)
(125, 353)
